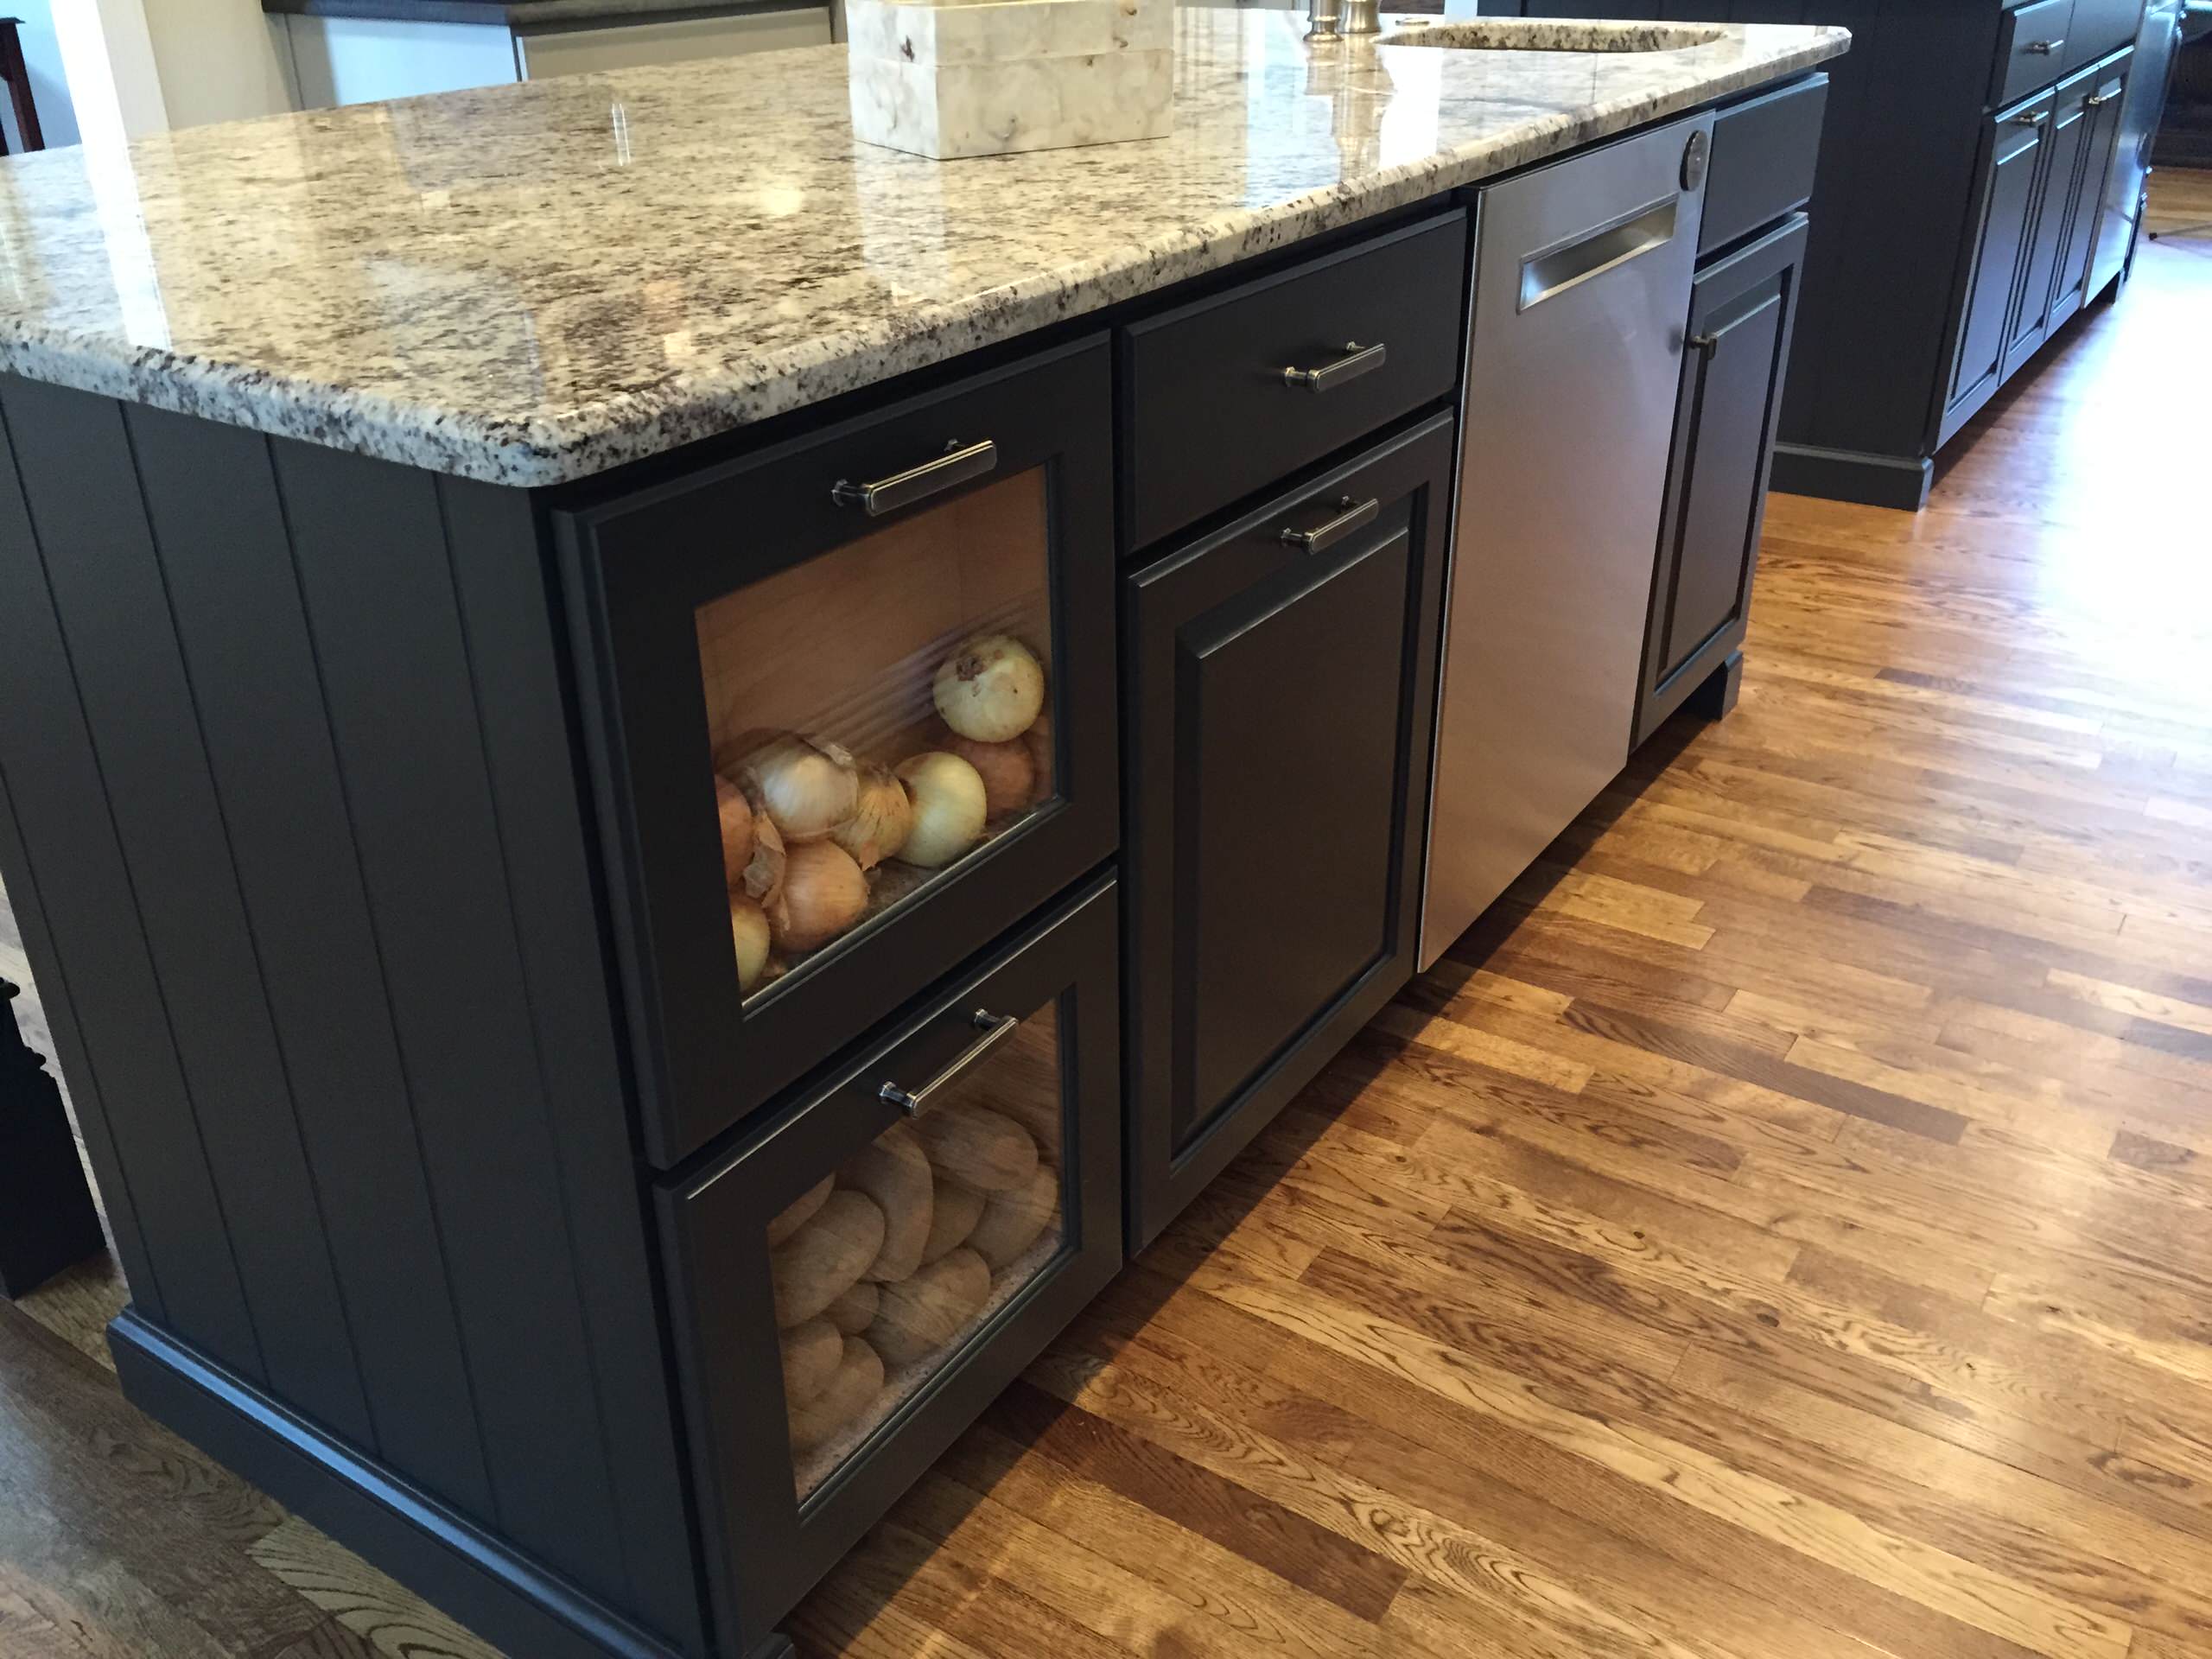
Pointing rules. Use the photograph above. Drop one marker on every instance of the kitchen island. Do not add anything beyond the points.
(638, 741)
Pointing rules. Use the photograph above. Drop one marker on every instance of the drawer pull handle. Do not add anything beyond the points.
(959, 463)
(2098, 100)
(1322, 538)
(995, 1029)
(1357, 360)
(1704, 345)
(2045, 48)
(2031, 118)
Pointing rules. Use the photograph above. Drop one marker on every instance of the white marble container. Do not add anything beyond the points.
(989, 77)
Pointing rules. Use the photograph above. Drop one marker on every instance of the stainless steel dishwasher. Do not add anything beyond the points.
(1582, 294)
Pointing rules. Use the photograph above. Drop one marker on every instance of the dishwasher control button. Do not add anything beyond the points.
(1694, 159)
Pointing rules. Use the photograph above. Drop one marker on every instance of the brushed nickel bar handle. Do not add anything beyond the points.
(2045, 48)
(956, 465)
(1324, 537)
(2098, 100)
(1357, 361)
(2031, 118)
(995, 1027)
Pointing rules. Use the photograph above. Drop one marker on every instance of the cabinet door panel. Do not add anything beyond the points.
(2104, 98)
(1279, 701)
(1290, 689)
(2061, 174)
(2012, 170)
(1739, 329)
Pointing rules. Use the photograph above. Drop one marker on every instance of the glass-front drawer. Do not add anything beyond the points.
(854, 699)
(856, 1281)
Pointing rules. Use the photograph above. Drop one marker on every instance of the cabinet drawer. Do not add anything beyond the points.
(2033, 42)
(1209, 414)
(1281, 703)
(849, 1287)
(783, 644)
(1764, 156)
(2100, 28)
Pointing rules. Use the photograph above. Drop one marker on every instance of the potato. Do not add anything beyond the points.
(894, 1171)
(854, 1311)
(858, 1380)
(810, 1354)
(819, 1263)
(920, 1315)
(957, 1209)
(802, 1206)
(977, 1147)
(1011, 1220)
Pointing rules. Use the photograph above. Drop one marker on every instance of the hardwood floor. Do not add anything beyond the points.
(1783, 1231)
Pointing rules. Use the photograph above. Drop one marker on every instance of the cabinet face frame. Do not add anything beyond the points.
(1728, 293)
(1410, 473)
(2009, 140)
(763, 1548)
(637, 568)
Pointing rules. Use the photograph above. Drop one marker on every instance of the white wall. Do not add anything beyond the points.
(57, 116)
(218, 59)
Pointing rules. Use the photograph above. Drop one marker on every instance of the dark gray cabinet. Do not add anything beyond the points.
(1280, 690)
(2102, 94)
(1741, 314)
(2012, 168)
(2068, 125)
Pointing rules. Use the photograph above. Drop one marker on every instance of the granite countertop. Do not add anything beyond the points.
(533, 284)
(522, 14)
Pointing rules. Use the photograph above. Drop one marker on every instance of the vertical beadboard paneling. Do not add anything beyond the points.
(236, 607)
(128, 1065)
(369, 545)
(507, 606)
(107, 590)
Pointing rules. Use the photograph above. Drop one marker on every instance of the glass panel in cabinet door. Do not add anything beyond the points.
(877, 715)
(885, 1267)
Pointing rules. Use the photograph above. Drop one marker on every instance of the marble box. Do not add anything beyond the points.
(990, 77)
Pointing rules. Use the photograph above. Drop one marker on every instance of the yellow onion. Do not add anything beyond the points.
(949, 807)
(806, 784)
(737, 831)
(748, 933)
(1008, 771)
(764, 871)
(990, 688)
(824, 894)
(882, 817)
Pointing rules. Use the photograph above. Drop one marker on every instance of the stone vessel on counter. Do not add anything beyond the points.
(961, 79)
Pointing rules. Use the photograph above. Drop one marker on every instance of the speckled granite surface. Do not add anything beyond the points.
(513, 14)
(533, 283)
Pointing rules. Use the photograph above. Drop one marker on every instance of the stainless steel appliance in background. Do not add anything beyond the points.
(2149, 79)
(1582, 292)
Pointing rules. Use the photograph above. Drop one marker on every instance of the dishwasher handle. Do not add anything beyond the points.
(1551, 271)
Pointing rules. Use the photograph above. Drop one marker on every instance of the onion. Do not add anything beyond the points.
(823, 894)
(806, 784)
(748, 933)
(764, 871)
(1009, 774)
(882, 817)
(1038, 742)
(737, 831)
(949, 807)
(990, 688)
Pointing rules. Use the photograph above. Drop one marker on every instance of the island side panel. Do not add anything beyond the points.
(369, 545)
(125, 1070)
(109, 594)
(507, 587)
(211, 497)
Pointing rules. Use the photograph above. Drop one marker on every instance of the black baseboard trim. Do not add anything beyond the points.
(1847, 475)
(508, 1600)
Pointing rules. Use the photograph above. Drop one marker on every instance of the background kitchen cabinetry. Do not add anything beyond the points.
(1741, 314)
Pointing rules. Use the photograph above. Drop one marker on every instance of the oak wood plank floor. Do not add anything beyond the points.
(1783, 1228)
